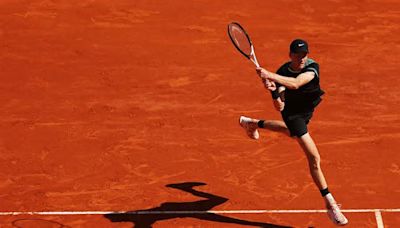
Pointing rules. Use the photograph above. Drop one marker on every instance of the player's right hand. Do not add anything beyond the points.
(263, 73)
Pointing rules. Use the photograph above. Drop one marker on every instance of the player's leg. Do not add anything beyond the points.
(251, 125)
(297, 125)
(273, 125)
(314, 160)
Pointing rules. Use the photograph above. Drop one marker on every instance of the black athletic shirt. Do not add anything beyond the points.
(308, 96)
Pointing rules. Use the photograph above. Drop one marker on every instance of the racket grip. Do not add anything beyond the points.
(255, 62)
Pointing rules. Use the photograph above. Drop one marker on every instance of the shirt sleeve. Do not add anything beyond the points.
(314, 67)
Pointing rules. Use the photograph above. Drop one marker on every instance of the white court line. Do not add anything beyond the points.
(379, 220)
(144, 212)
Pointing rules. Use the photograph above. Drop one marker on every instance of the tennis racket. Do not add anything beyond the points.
(241, 40)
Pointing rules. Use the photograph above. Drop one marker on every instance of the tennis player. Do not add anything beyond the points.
(296, 93)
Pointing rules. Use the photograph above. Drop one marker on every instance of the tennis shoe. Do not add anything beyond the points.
(336, 215)
(249, 126)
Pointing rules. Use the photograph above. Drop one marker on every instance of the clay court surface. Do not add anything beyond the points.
(120, 105)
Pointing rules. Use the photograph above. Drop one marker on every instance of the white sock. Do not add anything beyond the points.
(329, 199)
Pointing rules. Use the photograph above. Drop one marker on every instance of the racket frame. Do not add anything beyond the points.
(252, 55)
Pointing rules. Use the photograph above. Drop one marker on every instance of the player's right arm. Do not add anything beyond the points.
(277, 95)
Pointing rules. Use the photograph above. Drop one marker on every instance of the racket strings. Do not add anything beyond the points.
(240, 39)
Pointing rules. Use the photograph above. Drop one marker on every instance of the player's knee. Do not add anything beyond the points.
(314, 161)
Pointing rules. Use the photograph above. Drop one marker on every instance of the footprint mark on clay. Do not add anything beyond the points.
(394, 168)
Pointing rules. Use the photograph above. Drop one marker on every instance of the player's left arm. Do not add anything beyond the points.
(288, 82)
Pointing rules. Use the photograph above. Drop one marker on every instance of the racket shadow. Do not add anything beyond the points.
(146, 218)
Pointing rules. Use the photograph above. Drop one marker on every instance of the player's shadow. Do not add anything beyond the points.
(146, 218)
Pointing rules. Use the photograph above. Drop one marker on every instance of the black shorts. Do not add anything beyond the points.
(297, 122)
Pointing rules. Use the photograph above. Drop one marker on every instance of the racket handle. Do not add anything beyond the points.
(254, 60)
(256, 63)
